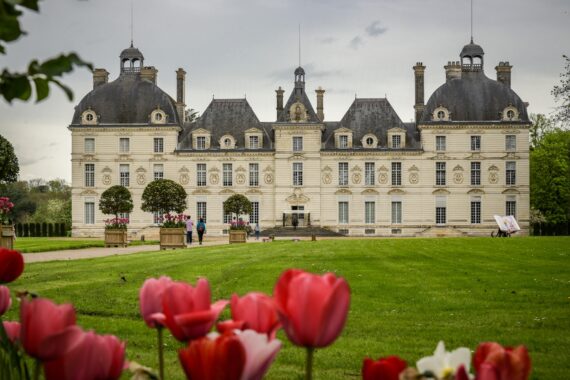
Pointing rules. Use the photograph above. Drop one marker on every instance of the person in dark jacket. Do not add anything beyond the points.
(201, 229)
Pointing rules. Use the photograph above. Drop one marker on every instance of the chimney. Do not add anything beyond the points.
(180, 93)
(452, 70)
(504, 73)
(100, 76)
(279, 93)
(320, 112)
(149, 73)
(419, 70)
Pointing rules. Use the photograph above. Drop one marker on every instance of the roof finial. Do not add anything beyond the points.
(299, 44)
(471, 21)
(132, 23)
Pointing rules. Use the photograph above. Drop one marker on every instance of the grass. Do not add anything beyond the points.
(407, 294)
(41, 244)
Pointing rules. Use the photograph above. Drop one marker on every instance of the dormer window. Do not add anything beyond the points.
(343, 141)
(253, 142)
(201, 139)
(441, 114)
(510, 114)
(200, 142)
(396, 141)
(369, 141)
(343, 138)
(158, 116)
(227, 142)
(253, 138)
(89, 117)
(397, 138)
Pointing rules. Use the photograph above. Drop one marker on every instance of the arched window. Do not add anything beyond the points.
(466, 61)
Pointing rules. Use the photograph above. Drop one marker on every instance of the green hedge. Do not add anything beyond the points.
(41, 229)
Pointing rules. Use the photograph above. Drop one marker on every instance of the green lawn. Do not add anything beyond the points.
(407, 294)
(40, 244)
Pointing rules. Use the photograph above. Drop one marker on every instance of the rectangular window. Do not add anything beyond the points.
(475, 173)
(396, 212)
(201, 211)
(124, 145)
(370, 212)
(201, 142)
(369, 173)
(156, 217)
(254, 217)
(253, 142)
(89, 175)
(227, 216)
(343, 141)
(158, 171)
(158, 145)
(343, 173)
(124, 175)
(343, 212)
(396, 173)
(440, 210)
(253, 174)
(440, 173)
(440, 143)
(511, 206)
(200, 174)
(396, 141)
(89, 145)
(475, 142)
(511, 173)
(125, 215)
(297, 174)
(297, 143)
(228, 175)
(476, 210)
(89, 212)
(510, 142)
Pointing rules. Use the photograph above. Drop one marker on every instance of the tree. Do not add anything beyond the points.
(115, 200)
(238, 204)
(9, 168)
(561, 94)
(541, 125)
(191, 115)
(14, 85)
(164, 196)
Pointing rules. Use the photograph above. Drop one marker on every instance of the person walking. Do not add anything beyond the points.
(189, 226)
(256, 231)
(201, 229)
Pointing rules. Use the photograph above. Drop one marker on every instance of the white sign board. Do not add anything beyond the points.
(507, 223)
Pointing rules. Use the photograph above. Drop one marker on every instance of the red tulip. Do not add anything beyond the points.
(493, 361)
(388, 368)
(311, 308)
(188, 311)
(5, 299)
(48, 330)
(12, 330)
(95, 357)
(214, 358)
(230, 326)
(258, 311)
(150, 299)
(11, 265)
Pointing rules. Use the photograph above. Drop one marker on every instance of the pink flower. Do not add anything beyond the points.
(311, 308)
(388, 368)
(150, 299)
(495, 362)
(258, 311)
(5, 299)
(260, 352)
(12, 330)
(188, 310)
(230, 325)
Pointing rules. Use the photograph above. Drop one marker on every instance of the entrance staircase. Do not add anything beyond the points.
(299, 232)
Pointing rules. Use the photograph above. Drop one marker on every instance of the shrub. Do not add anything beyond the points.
(115, 200)
(164, 196)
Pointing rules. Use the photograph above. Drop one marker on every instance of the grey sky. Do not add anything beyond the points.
(233, 48)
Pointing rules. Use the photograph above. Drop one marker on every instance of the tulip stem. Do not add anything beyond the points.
(160, 353)
(309, 364)
(37, 368)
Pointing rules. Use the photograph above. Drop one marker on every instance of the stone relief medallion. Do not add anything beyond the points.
(141, 179)
(414, 178)
(327, 179)
(493, 178)
(268, 178)
(184, 179)
(356, 178)
(106, 179)
(458, 178)
(383, 178)
(240, 179)
(214, 178)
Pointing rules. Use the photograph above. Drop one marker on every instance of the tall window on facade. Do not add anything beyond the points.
(228, 175)
(369, 174)
(158, 171)
(158, 144)
(156, 217)
(476, 210)
(475, 173)
(440, 210)
(297, 143)
(511, 206)
(370, 212)
(254, 217)
(201, 211)
(89, 175)
(124, 145)
(440, 173)
(343, 173)
(227, 216)
(200, 174)
(510, 142)
(297, 174)
(89, 212)
(440, 143)
(201, 142)
(396, 212)
(253, 174)
(476, 143)
(343, 212)
(253, 142)
(396, 173)
(124, 175)
(125, 215)
(343, 141)
(89, 145)
(511, 173)
(396, 141)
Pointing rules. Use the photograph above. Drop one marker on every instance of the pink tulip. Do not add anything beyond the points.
(5, 299)
(495, 362)
(311, 308)
(230, 326)
(48, 330)
(259, 353)
(95, 357)
(150, 299)
(258, 311)
(188, 310)
(12, 330)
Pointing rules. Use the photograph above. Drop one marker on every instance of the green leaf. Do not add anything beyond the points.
(15, 86)
(42, 89)
(65, 89)
(9, 28)
(62, 64)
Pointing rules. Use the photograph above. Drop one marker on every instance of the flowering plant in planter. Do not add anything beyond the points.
(240, 225)
(173, 221)
(5, 208)
(116, 224)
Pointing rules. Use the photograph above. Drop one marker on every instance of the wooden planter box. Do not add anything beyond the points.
(238, 236)
(172, 238)
(116, 238)
(7, 237)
